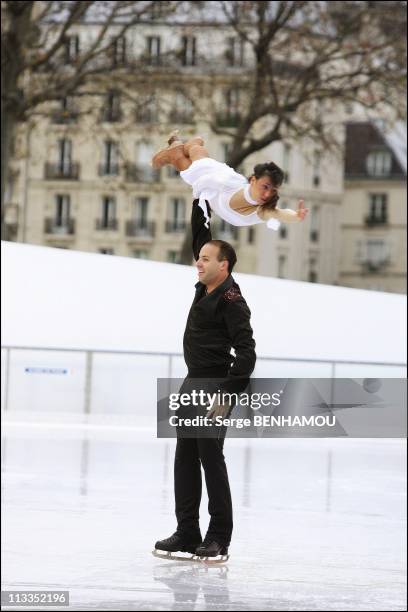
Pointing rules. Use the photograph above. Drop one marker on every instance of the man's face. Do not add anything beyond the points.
(262, 189)
(209, 268)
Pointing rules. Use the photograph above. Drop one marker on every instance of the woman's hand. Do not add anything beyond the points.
(302, 211)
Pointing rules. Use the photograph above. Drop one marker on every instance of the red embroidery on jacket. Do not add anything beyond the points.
(231, 295)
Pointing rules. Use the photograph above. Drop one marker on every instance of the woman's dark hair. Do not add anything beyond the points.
(276, 175)
(226, 252)
(269, 169)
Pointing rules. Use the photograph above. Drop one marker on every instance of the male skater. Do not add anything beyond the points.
(219, 319)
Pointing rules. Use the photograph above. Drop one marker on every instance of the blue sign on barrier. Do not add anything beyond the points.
(45, 370)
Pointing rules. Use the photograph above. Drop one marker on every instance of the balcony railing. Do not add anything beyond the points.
(375, 265)
(140, 228)
(181, 117)
(106, 224)
(175, 225)
(141, 174)
(111, 116)
(145, 115)
(58, 171)
(108, 170)
(64, 116)
(228, 120)
(372, 220)
(65, 227)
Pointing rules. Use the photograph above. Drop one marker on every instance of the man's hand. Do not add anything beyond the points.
(217, 410)
(302, 211)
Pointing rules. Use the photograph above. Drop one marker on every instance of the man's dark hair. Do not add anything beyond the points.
(226, 252)
(271, 170)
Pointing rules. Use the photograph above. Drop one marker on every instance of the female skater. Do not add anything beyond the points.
(235, 199)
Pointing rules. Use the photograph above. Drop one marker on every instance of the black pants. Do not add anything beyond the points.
(191, 454)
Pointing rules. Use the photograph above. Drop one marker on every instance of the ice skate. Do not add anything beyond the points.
(176, 547)
(173, 136)
(211, 552)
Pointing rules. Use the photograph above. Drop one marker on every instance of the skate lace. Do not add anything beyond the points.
(207, 542)
(173, 538)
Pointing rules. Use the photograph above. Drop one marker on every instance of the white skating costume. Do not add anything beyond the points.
(216, 182)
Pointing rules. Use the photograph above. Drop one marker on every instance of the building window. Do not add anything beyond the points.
(110, 165)
(111, 110)
(312, 277)
(314, 224)
(316, 168)
(378, 163)
(64, 156)
(177, 214)
(140, 225)
(108, 214)
(282, 266)
(378, 209)
(142, 171)
(188, 54)
(183, 109)
(235, 51)
(153, 50)
(157, 10)
(373, 254)
(141, 254)
(61, 222)
(287, 150)
(283, 231)
(251, 235)
(283, 228)
(230, 115)
(118, 51)
(71, 49)
(108, 209)
(141, 209)
(173, 256)
(62, 210)
(232, 99)
(63, 167)
(67, 112)
(146, 110)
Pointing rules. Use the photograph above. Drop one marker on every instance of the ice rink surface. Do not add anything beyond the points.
(318, 524)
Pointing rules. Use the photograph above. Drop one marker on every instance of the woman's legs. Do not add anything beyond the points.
(180, 161)
(190, 154)
(195, 151)
(179, 154)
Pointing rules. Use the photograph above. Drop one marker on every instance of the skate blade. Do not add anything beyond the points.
(172, 556)
(211, 560)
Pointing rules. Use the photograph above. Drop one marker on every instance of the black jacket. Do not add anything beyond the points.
(216, 323)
